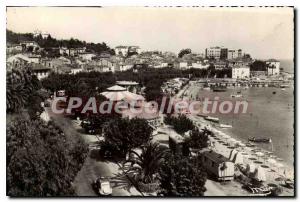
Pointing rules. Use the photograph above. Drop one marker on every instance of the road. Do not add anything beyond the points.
(93, 167)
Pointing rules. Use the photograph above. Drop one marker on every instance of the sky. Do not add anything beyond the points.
(262, 32)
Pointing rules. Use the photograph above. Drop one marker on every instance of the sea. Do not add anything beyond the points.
(269, 115)
(287, 65)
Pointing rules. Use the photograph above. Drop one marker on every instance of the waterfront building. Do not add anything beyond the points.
(273, 67)
(240, 70)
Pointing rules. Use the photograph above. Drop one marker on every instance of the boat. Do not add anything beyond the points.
(202, 115)
(212, 119)
(206, 88)
(236, 95)
(225, 126)
(263, 140)
(284, 86)
(249, 144)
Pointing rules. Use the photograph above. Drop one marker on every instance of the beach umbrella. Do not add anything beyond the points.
(238, 158)
(264, 166)
(250, 168)
(253, 159)
(279, 165)
(272, 161)
(280, 178)
(258, 162)
(259, 154)
(242, 145)
(226, 136)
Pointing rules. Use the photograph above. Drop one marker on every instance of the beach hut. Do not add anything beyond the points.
(232, 154)
(217, 165)
(250, 169)
(238, 158)
(259, 174)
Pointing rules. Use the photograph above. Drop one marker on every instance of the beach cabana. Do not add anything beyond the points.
(250, 169)
(217, 165)
(238, 158)
(232, 154)
(259, 174)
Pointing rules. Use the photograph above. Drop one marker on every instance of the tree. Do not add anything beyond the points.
(181, 176)
(197, 139)
(41, 161)
(181, 124)
(20, 85)
(147, 164)
(125, 134)
(184, 52)
(258, 65)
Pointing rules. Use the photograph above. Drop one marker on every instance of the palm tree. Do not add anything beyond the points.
(146, 164)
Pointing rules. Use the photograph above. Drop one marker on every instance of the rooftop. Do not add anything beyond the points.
(215, 157)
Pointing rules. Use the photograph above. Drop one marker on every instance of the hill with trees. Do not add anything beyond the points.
(50, 42)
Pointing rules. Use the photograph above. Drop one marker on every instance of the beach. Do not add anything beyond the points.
(276, 159)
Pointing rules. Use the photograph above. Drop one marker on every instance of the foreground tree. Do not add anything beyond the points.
(182, 177)
(20, 85)
(40, 159)
(184, 52)
(125, 134)
(147, 163)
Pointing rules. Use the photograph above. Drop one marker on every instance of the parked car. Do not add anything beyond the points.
(102, 186)
(89, 126)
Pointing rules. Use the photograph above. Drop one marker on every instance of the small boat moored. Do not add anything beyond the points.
(225, 126)
(263, 140)
(213, 119)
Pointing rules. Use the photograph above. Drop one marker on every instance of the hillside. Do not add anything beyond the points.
(48, 43)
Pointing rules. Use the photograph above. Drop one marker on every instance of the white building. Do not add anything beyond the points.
(273, 67)
(241, 71)
(233, 54)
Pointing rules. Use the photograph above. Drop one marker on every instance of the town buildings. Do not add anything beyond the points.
(222, 53)
(124, 50)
